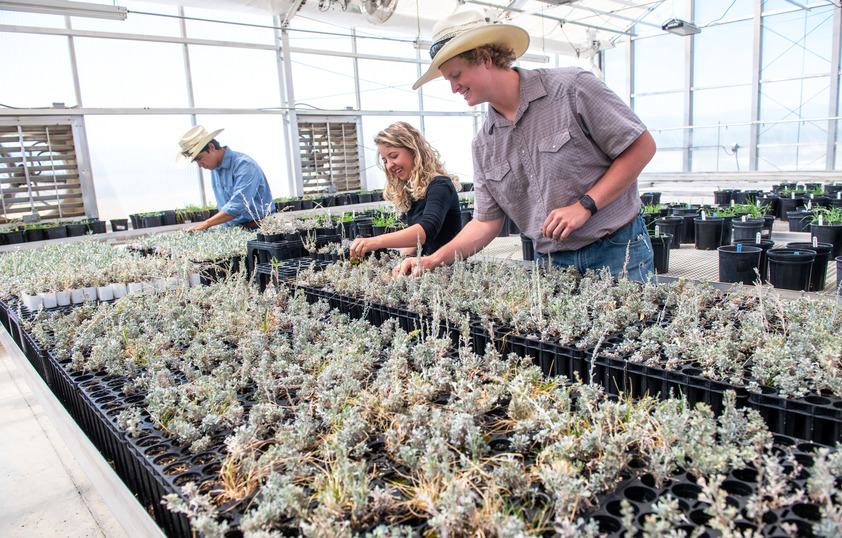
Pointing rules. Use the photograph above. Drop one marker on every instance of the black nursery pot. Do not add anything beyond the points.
(829, 233)
(838, 275)
(747, 229)
(671, 226)
(739, 263)
(661, 246)
(722, 197)
(56, 232)
(119, 225)
(788, 204)
(12, 237)
(74, 230)
(819, 272)
(466, 215)
(34, 234)
(527, 247)
(764, 246)
(799, 221)
(708, 234)
(790, 269)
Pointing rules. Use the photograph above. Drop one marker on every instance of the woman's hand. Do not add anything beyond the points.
(361, 245)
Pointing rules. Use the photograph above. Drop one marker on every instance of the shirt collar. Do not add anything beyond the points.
(531, 88)
(226, 159)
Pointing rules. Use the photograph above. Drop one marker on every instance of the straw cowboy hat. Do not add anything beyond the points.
(192, 143)
(467, 30)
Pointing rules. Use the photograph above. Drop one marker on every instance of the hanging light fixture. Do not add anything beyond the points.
(65, 7)
(680, 27)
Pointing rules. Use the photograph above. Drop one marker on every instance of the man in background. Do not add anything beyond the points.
(239, 185)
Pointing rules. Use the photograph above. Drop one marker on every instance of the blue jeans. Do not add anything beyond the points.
(611, 253)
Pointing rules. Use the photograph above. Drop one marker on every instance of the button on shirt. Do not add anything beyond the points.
(568, 129)
(241, 189)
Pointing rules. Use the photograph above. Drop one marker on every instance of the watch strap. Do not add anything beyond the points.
(588, 203)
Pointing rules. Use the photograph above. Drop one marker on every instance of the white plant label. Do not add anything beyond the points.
(757, 238)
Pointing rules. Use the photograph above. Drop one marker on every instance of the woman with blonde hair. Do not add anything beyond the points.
(418, 185)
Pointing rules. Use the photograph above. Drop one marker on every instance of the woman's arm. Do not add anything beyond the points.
(407, 238)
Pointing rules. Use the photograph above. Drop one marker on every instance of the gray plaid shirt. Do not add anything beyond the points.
(568, 129)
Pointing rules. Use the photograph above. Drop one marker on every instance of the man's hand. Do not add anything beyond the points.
(412, 267)
(199, 227)
(563, 221)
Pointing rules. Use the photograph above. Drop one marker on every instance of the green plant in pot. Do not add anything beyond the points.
(826, 227)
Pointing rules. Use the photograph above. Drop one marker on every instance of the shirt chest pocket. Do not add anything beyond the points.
(504, 184)
(558, 156)
(554, 142)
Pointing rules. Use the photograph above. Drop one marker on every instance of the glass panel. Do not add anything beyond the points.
(659, 64)
(116, 73)
(308, 40)
(387, 85)
(665, 161)
(797, 44)
(249, 77)
(136, 22)
(775, 5)
(721, 106)
(812, 157)
(710, 11)
(20, 18)
(723, 137)
(128, 180)
(262, 137)
(723, 55)
(806, 157)
(662, 112)
(387, 44)
(323, 81)
(452, 137)
(616, 69)
(721, 160)
(776, 98)
(21, 85)
(215, 26)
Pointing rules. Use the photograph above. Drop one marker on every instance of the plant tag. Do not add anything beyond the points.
(838, 195)
(793, 194)
(821, 221)
(757, 238)
(811, 195)
(815, 242)
(745, 217)
(739, 247)
(809, 204)
(732, 202)
(704, 215)
(657, 231)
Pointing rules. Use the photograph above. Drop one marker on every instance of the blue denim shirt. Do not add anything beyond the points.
(241, 189)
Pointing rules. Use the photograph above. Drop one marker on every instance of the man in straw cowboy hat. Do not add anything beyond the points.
(239, 185)
(559, 153)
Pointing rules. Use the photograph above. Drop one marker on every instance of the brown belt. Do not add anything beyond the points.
(606, 236)
(250, 224)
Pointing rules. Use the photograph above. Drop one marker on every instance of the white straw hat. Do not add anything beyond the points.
(191, 144)
(467, 30)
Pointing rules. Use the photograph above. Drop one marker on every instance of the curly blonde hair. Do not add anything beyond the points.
(426, 165)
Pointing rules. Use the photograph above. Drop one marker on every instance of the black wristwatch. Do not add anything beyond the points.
(588, 203)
